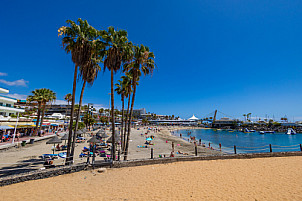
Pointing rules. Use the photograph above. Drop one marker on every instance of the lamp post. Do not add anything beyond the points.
(15, 129)
(109, 107)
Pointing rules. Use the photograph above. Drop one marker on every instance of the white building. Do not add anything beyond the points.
(56, 116)
(7, 104)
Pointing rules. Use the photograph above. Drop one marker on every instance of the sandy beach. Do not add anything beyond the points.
(23, 159)
(236, 179)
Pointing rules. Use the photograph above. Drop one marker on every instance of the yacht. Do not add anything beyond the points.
(291, 131)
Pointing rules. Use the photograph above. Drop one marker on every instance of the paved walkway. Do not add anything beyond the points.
(8, 144)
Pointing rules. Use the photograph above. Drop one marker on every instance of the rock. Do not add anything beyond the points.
(102, 170)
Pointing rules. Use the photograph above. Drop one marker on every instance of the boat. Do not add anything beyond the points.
(252, 131)
(246, 130)
(261, 132)
(291, 131)
(269, 131)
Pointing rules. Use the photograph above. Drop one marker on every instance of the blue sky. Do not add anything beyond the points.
(234, 56)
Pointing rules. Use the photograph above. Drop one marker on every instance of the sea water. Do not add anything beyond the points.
(244, 142)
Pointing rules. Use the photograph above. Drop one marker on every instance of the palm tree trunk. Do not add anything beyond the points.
(130, 116)
(42, 118)
(71, 114)
(38, 119)
(122, 128)
(126, 123)
(112, 116)
(77, 120)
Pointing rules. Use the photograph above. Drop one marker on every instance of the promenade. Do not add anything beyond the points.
(19, 159)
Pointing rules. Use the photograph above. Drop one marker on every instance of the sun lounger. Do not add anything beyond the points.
(140, 146)
(44, 156)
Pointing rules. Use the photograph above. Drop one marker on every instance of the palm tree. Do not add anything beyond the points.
(68, 97)
(41, 97)
(120, 91)
(127, 79)
(142, 62)
(77, 40)
(248, 115)
(88, 74)
(36, 99)
(88, 120)
(244, 116)
(115, 55)
(101, 110)
(48, 96)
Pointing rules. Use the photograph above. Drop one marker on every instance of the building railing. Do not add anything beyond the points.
(10, 106)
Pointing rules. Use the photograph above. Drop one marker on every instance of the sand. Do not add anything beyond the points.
(24, 159)
(236, 179)
(161, 147)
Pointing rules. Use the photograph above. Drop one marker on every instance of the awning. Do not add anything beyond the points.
(5, 127)
(54, 124)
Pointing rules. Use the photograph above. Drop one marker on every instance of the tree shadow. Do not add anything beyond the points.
(23, 166)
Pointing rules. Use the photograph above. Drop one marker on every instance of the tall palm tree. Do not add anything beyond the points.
(48, 96)
(77, 40)
(120, 91)
(115, 55)
(127, 82)
(142, 62)
(68, 97)
(89, 74)
(41, 97)
(35, 98)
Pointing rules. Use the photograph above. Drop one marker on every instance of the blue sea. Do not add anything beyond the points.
(245, 142)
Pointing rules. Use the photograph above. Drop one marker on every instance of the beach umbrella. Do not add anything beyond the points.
(55, 140)
(84, 130)
(79, 132)
(104, 135)
(149, 139)
(117, 139)
(100, 132)
(65, 137)
(93, 140)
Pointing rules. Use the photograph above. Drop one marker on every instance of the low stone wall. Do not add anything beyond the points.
(119, 164)
(41, 174)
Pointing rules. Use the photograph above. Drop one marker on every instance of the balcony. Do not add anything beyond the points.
(10, 108)
(5, 91)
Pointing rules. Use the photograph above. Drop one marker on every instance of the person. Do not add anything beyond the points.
(18, 136)
(172, 146)
(172, 154)
(220, 146)
(209, 144)
(48, 163)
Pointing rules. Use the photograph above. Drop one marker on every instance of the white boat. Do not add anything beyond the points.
(291, 131)
(261, 132)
